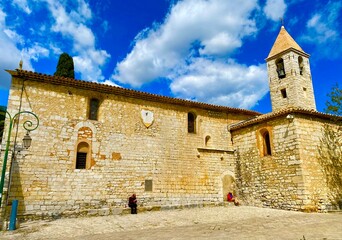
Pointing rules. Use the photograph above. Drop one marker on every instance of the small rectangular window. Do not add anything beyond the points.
(283, 93)
(81, 160)
(148, 185)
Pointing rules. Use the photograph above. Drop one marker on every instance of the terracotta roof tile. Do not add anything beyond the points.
(280, 113)
(284, 42)
(93, 86)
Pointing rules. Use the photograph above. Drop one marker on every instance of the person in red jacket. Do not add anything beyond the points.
(231, 198)
(132, 203)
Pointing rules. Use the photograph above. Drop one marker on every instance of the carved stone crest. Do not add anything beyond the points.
(147, 117)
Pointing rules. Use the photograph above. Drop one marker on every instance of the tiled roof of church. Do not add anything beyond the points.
(284, 42)
(57, 80)
(288, 111)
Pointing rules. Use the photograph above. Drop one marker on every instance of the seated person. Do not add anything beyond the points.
(132, 203)
(231, 198)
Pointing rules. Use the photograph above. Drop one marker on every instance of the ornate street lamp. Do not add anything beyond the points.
(28, 125)
(27, 140)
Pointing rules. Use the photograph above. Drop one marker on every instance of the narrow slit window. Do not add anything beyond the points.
(264, 139)
(191, 122)
(267, 144)
(93, 108)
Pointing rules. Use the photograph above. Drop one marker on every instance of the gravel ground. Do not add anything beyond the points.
(106, 227)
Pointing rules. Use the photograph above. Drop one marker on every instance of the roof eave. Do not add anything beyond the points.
(282, 113)
(286, 51)
(93, 86)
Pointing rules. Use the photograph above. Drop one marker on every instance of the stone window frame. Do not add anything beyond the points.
(191, 122)
(83, 146)
(265, 141)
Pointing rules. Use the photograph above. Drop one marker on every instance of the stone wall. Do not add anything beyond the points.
(298, 87)
(184, 168)
(319, 196)
(291, 177)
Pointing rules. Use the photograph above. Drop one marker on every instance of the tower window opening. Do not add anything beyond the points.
(283, 93)
(301, 65)
(280, 68)
(304, 90)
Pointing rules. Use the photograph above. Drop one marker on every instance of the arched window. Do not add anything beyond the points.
(93, 108)
(264, 141)
(82, 155)
(207, 141)
(280, 68)
(301, 65)
(267, 143)
(191, 122)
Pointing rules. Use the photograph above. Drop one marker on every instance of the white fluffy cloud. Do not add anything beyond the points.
(322, 30)
(69, 20)
(22, 4)
(275, 9)
(216, 26)
(35, 52)
(10, 54)
(72, 25)
(2, 18)
(189, 48)
(222, 82)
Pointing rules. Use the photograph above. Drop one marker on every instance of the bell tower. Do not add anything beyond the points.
(289, 74)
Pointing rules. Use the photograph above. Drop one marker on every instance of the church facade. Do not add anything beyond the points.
(97, 144)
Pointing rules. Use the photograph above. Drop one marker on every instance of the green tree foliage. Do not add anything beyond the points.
(2, 120)
(330, 149)
(65, 66)
(334, 105)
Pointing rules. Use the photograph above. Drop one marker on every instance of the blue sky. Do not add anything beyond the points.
(203, 50)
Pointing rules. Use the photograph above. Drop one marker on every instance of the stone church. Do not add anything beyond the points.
(97, 144)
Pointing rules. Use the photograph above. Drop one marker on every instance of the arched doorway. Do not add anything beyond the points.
(228, 185)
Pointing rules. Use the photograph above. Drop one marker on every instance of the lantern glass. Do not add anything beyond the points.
(27, 140)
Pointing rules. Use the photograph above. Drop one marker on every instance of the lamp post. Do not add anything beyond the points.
(28, 125)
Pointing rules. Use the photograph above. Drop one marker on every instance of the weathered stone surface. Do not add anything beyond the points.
(289, 173)
(124, 153)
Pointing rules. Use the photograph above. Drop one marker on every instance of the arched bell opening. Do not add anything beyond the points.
(280, 68)
(301, 65)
